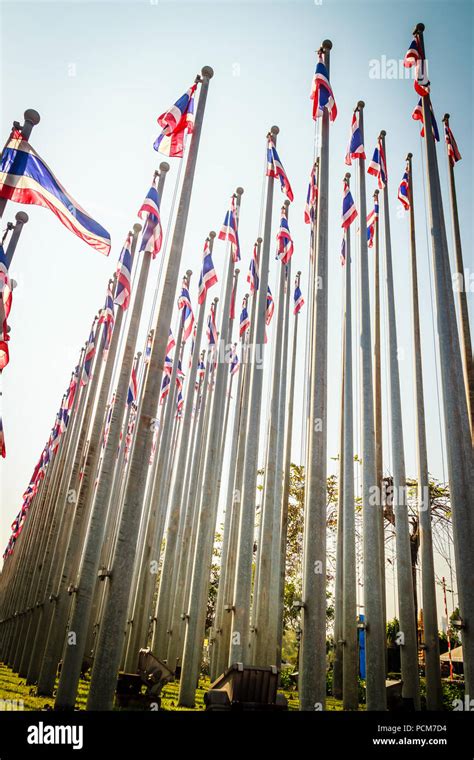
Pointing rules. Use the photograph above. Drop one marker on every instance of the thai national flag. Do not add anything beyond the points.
(349, 211)
(208, 276)
(211, 327)
(270, 307)
(244, 319)
(176, 122)
(298, 297)
(229, 230)
(152, 235)
(372, 220)
(453, 150)
(171, 342)
(285, 243)
(234, 360)
(414, 57)
(311, 197)
(321, 92)
(377, 166)
(275, 169)
(184, 303)
(90, 351)
(404, 190)
(132, 388)
(252, 276)
(355, 149)
(107, 318)
(165, 387)
(25, 178)
(3, 450)
(417, 115)
(343, 251)
(5, 295)
(124, 276)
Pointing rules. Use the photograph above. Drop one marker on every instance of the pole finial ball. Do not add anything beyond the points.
(237, 271)
(188, 273)
(164, 166)
(409, 156)
(207, 72)
(347, 175)
(136, 228)
(32, 116)
(259, 240)
(286, 203)
(212, 234)
(326, 45)
(360, 105)
(382, 133)
(420, 27)
(446, 117)
(22, 217)
(274, 130)
(376, 193)
(239, 191)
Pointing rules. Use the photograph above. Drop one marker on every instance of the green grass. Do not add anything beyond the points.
(12, 687)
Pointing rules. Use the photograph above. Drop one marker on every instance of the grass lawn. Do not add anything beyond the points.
(12, 687)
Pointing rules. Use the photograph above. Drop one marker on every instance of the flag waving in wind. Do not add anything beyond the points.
(176, 122)
(355, 149)
(298, 297)
(414, 57)
(152, 235)
(377, 166)
(107, 318)
(372, 220)
(321, 91)
(229, 230)
(275, 169)
(3, 450)
(184, 303)
(208, 276)
(124, 276)
(311, 197)
(252, 275)
(244, 319)
(349, 211)
(90, 351)
(417, 115)
(453, 150)
(25, 178)
(404, 189)
(285, 243)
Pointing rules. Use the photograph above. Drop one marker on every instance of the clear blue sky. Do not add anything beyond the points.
(101, 73)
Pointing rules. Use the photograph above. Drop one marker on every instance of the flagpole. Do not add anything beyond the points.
(239, 647)
(109, 644)
(458, 434)
(464, 329)
(378, 417)
(287, 477)
(371, 496)
(266, 616)
(196, 614)
(234, 492)
(21, 219)
(434, 695)
(339, 585)
(312, 665)
(408, 646)
(32, 118)
(349, 601)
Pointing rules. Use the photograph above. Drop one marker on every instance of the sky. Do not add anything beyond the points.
(100, 73)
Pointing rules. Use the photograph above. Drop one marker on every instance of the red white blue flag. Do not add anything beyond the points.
(321, 92)
(404, 189)
(298, 297)
(184, 303)
(124, 276)
(343, 251)
(176, 122)
(417, 115)
(90, 351)
(5, 295)
(355, 149)
(414, 57)
(229, 230)
(349, 211)
(275, 169)
(3, 450)
(372, 220)
(253, 276)
(234, 360)
(171, 342)
(377, 166)
(152, 235)
(208, 276)
(211, 327)
(270, 306)
(132, 388)
(285, 245)
(107, 319)
(311, 197)
(453, 150)
(25, 178)
(244, 319)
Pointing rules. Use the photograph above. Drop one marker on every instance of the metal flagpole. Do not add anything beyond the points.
(338, 591)
(408, 644)
(21, 219)
(375, 640)
(465, 333)
(195, 619)
(349, 600)
(239, 646)
(312, 665)
(109, 644)
(266, 616)
(430, 619)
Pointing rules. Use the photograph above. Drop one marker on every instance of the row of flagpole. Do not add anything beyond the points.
(82, 576)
